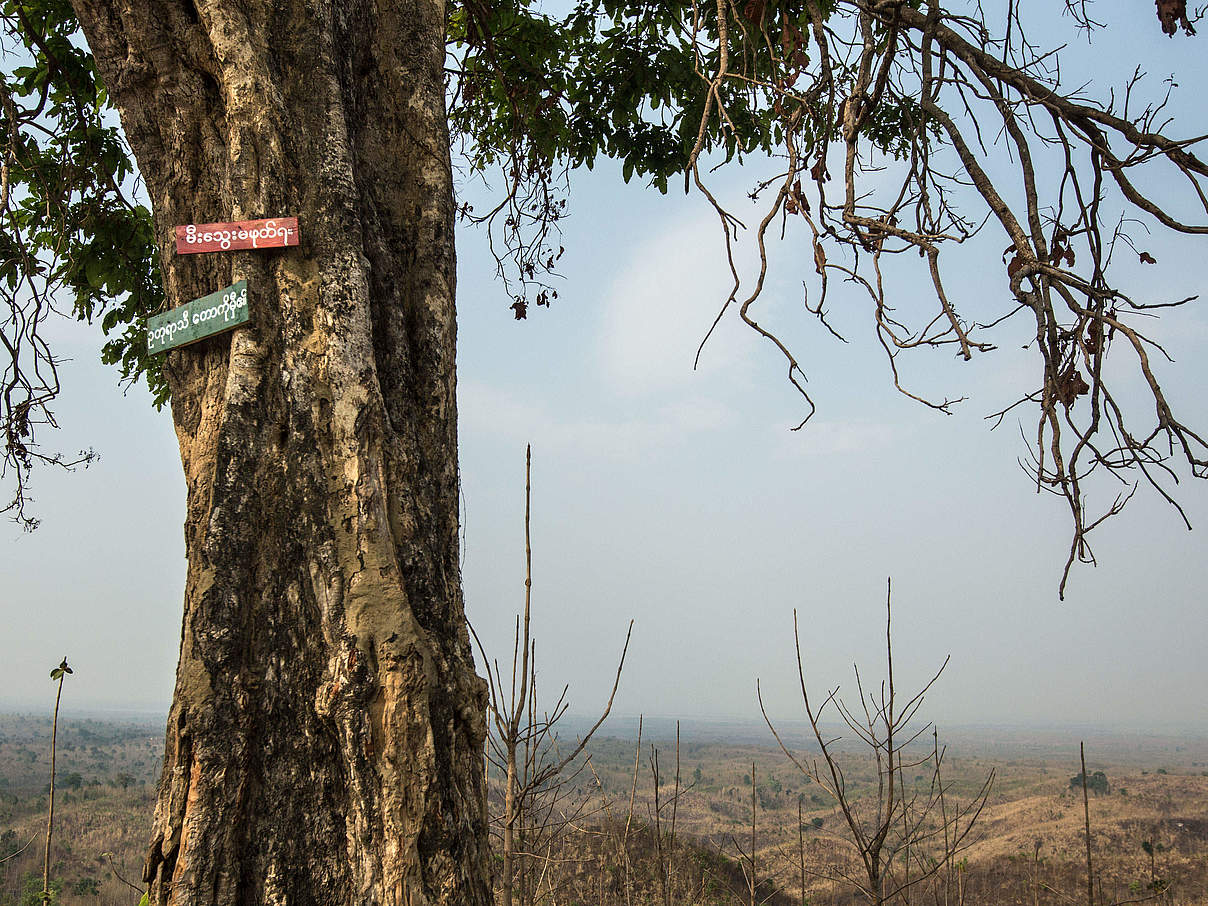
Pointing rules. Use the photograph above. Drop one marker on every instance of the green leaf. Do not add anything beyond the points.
(94, 271)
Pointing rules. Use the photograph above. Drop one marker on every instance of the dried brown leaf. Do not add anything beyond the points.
(1172, 14)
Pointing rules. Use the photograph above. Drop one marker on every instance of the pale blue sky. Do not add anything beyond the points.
(681, 499)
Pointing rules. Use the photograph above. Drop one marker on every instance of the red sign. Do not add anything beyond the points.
(230, 237)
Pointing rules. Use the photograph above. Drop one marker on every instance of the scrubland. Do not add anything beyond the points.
(599, 838)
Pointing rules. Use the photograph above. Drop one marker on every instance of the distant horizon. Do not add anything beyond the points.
(624, 723)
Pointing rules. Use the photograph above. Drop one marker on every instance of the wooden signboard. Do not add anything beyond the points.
(230, 237)
(201, 318)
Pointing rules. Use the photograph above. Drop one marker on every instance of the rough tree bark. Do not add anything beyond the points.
(326, 739)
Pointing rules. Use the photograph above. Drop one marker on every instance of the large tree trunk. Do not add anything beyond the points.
(325, 743)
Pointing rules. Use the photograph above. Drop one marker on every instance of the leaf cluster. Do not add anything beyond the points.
(534, 96)
(72, 239)
(71, 218)
(623, 80)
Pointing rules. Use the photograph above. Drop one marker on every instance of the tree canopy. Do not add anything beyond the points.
(962, 114)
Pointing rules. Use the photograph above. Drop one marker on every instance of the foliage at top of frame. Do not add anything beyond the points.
(628, 81)
(71, 229)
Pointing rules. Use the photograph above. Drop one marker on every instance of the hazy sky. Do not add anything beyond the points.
(681, 498)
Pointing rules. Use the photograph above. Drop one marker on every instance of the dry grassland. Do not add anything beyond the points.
(1028, 846)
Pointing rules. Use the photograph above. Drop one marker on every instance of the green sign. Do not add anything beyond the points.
(199, 319)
